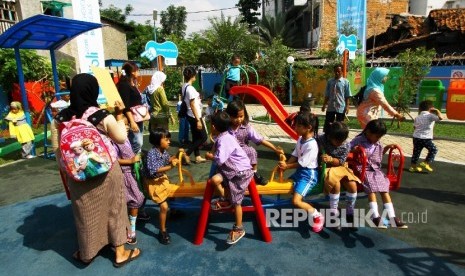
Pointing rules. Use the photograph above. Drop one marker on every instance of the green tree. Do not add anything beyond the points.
(274, 66)
(224, 38)
(249, 11)
(116, 14)
(136, 41)
(173, 21)
(271, 28)
(415, 64)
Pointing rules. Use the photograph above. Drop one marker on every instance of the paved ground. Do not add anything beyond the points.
(38, 234)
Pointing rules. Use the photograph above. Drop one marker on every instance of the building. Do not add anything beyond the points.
(319, 31)
(113, 34)
(424, 7)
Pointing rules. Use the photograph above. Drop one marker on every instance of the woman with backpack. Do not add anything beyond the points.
(373, 99)
(99, 202)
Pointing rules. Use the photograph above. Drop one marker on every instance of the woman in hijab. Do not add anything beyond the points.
(373, 99)
(99, 203)
(159, 108)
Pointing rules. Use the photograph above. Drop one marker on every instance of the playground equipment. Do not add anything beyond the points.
(247, 80)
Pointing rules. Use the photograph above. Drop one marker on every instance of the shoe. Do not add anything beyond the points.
(235, 235)
(129, 259)
(143, 216)
(378, 223)
(318, 222)
(219, 204)
(132, 240)
(164, 237)
(395, 222)
(200, 159)
(415, 169)
(29, 156)
(259, 180)
(426, 167)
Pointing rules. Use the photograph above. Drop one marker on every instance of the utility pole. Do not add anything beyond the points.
(311, 27)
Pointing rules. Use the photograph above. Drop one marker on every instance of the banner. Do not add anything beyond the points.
(351, 16)
(89, 44)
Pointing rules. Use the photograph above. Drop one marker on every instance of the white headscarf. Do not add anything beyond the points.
(157, 79)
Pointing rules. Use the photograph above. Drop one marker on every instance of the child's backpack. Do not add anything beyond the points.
(358, 98)
(85, 153)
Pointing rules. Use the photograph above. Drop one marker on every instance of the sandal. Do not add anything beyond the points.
(235, 235)
(129, 259)
(220, 204)
(77, 257)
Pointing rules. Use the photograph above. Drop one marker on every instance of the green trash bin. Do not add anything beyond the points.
(432, 90)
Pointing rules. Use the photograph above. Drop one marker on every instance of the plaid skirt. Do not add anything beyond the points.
(237, 185)
(251, 153)
(375, 181)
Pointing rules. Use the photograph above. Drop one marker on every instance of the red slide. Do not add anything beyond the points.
(269, 101)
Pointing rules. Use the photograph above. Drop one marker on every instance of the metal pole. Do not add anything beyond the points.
(290, 84)
(311, 27)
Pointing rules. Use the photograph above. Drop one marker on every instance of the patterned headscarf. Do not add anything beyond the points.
(157, 79)
(83, 94)
(375, 80)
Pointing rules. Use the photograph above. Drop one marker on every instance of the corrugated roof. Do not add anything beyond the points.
(44, 32)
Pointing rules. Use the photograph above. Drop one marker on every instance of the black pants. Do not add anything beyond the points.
(199, 137)
(418, 145)
(228, 85)
(332, 116)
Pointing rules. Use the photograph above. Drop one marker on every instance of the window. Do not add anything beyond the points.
(54, 8)
(8, 12)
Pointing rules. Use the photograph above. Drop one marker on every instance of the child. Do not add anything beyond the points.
(423, 136)
(375, 180)
(244, 132)
(20, 129)
(61, 104)
(290, 120)
(335, 151)
(305, 160)
(134, 197)
(156, 181)
(235, 171)
(233, 75)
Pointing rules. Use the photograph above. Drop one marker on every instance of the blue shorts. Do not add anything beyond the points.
(305, 180)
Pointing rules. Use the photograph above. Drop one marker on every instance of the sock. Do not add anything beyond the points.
(350, 202)
(333, 201)
(132, 221)
(254, 171)
(390, 209)
(374, 208)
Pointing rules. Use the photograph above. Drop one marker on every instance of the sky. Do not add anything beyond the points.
(195, 21)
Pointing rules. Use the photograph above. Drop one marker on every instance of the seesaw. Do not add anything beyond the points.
(357, 162)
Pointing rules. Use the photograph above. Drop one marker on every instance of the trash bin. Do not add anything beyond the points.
(455, 105)
(432, 90)
(309, 101)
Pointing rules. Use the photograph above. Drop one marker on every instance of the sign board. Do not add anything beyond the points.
(349, 43)
(107, 85)
(167, 49)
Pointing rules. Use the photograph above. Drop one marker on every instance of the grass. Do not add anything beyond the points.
(442, 130)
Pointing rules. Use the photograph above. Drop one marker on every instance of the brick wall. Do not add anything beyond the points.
(377, 11)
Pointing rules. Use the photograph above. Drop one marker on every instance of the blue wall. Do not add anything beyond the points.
(208, 82)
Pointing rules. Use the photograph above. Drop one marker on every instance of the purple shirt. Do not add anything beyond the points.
(246, 133)
(227, 148)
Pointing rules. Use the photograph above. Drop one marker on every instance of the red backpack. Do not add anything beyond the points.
(84, 151)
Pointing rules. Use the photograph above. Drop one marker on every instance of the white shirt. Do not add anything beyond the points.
(191, 93)
(424, 125)
(306, 152)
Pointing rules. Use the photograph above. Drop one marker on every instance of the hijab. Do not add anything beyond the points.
(375, 80)
(83, 94)
(157, 79)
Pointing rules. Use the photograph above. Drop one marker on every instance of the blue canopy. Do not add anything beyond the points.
(42, 32)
